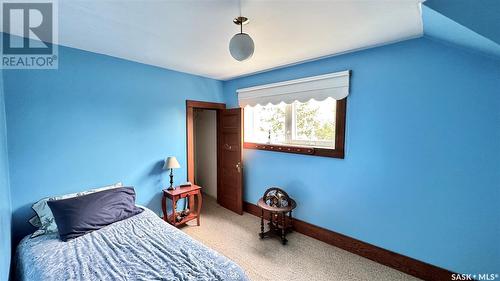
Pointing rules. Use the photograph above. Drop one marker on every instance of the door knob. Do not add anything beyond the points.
(238, 166)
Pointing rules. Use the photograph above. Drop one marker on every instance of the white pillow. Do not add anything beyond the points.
(44, 219)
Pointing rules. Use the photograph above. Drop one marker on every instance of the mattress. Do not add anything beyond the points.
(142, 247)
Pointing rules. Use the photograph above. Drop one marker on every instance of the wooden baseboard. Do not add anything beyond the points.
(397, 261)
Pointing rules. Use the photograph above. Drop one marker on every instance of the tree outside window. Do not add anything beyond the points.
(311, 123)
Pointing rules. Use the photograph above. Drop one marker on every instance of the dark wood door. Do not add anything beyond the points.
(230, 153)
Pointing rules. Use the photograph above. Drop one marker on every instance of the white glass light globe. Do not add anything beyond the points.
(241, 46)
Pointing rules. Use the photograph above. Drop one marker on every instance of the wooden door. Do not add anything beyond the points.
(230, 153)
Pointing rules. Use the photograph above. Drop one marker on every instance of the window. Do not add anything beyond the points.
(305, 115)
(308, 128)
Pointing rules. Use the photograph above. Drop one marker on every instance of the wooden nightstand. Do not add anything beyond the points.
(191, 193)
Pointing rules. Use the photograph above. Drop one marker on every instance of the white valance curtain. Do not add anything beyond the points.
(333, 85)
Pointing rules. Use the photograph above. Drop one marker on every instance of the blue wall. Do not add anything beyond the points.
(421, 173)
(442, 28)
(94, 121)
(480, 16)
(5, 208)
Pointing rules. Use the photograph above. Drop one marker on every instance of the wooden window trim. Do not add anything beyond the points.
(338, 152)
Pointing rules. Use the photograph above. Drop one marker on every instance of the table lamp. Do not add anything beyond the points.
(171, 163)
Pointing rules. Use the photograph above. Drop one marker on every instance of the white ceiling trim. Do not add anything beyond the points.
(325, 57)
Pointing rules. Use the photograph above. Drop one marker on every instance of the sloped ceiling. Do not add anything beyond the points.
(193, 35)
(443, 28)
(480, 16)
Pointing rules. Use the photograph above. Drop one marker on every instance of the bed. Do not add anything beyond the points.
(142, 247)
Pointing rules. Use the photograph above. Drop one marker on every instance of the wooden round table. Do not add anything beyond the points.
(280, 220)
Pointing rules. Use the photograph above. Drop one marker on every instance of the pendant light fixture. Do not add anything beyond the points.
(241, 45)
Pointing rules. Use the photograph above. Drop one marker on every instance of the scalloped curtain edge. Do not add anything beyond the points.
(333, 85)
(290, 102)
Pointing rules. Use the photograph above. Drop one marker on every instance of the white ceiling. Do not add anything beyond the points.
(193, 35)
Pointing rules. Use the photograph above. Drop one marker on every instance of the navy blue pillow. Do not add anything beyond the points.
(83, 214)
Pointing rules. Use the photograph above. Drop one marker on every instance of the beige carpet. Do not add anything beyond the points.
(303, 258)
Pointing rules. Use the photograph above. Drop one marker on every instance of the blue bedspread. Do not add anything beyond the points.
(142, 247)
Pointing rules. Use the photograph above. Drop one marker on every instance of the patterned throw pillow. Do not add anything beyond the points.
(44, 219)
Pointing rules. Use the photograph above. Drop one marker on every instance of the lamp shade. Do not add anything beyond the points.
(241, 46)
(171, 163)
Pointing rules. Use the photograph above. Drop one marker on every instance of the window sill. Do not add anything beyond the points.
(313, 151)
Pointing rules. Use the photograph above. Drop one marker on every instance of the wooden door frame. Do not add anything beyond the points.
(191, 105)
